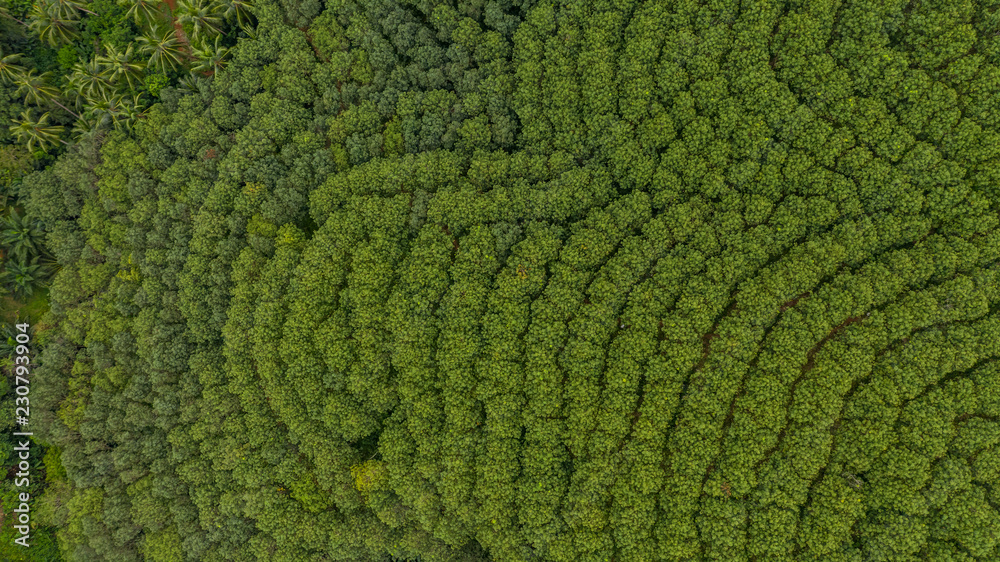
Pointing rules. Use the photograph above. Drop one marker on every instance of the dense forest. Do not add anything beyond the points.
(503, 280)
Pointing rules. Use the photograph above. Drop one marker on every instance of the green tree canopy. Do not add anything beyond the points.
(630, 280)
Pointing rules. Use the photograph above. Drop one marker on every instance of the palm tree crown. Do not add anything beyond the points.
(144, 12)
(50, 25)
(37, 90)
(162, 47)
(210, 57)
(19, 236)
(238, 10)
(90, 79)
(35, 87)
(9, 72)
(202, 17)
(122, 64)
(36, 133)
(24, 276)
(64, 9)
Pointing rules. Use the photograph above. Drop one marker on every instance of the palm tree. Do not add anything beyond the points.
(163, 48)
(101, 112)
(130, 112)
(24, 276)
(144, 12)
(210, 58)
(203, 16)
(8, 70)
(90, 79)
(50, 26)
(188, 83)
(19, 236)
(36, 90)
(73, 95)
(65, 9)
(122, 65)
(38, 133)
(83, 127)
(250, 32)
(8, 335)
(238, 10)
(120, 112)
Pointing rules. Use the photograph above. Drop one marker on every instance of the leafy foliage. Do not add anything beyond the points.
(533, 281)
(84, 58)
